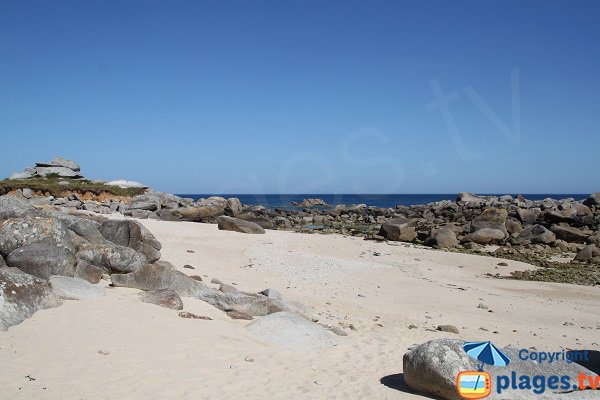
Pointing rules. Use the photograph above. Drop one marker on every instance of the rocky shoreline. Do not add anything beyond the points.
(560, 235)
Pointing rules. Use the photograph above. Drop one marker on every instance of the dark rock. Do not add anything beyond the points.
(490, 218)
(88, 272)
(593, 200)
(587, 254)
(528, 216)
(21, 295)
(238, 225)
(43, 260)
(18, 232)
(536, 234)
(165, 298)
(569, 234)
(308, 203)
(399, 229)
(233, 207)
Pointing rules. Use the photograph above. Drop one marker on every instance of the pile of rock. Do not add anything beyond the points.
(57, 167)
(48, 255)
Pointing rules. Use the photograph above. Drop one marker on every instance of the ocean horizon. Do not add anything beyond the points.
(375, 200)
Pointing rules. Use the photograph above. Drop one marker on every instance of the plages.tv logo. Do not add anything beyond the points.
(478, 384)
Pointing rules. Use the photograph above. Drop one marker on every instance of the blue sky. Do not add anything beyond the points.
(306, 96)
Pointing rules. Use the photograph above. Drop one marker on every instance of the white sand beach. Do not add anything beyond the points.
(120, 348)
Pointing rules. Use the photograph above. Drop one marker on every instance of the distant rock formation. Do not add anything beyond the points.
(309, 203)
(58, 166)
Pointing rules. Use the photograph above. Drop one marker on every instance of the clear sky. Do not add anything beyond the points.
(307, 96)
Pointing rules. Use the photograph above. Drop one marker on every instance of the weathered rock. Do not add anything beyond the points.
(14, 207)
(234, 207)
(587, 254)
(536, 234)
(134, 235)
(400, 230)
(84, 227)
(227, 288)
(62, 172)
(262, 221)
(2, 262)
(164, 297)
(486, 235)
(290, 330)
(593, 200)
(163, 276)
(86, 271)
(112, 257)
(442, 237)
(569, 234)
(469, 198)
(61, 162)
(528, 215)
(152, 277)
(308, 203)
(490, 218)
(513, 226)
(432, 368)
(21, 295)
(43, 260)
(238, 225)
(18, 232)
(68, 288)
(238, 315)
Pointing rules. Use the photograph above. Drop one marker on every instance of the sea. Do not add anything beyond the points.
(376, 200)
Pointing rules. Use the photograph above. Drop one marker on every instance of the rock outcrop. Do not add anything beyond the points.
(21, 295)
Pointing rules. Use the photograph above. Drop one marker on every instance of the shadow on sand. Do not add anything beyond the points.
(397, 382)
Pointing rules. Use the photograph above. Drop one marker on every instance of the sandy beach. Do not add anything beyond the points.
(119, 347)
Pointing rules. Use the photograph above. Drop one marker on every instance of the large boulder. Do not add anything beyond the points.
(588, 253)
(68, 288)
(442, 237)
(292, 331)
(62, 172)
(61, 162)
(469, 199)
(18, 232)
(569, 234)
(238, 225)
(161, 275)
(528, 216)
(84, 227)
(490, 218)
(234, 207)
(167, 298)
(593, 200)
(21, 295)
(486, 236)
(112, 257)
(432, 368)
(86, 271)
(399, 230)
(14, 207)
(43, 260)
(134, 235)
(537, 234)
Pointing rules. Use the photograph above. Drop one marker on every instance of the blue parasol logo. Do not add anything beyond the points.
(486, 353)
